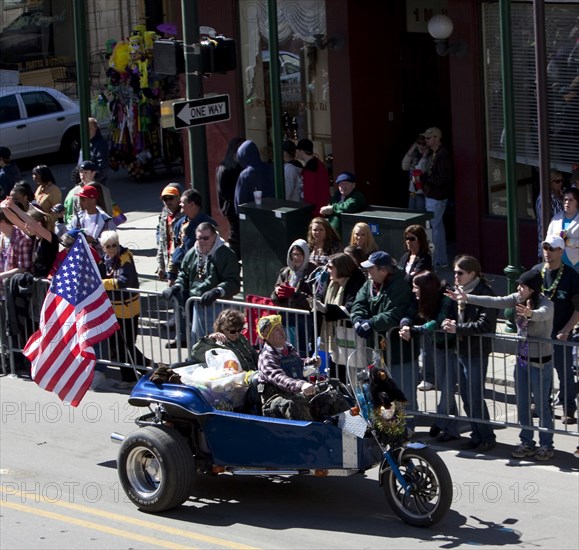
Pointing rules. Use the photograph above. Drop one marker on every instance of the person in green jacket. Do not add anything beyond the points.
(346, 200)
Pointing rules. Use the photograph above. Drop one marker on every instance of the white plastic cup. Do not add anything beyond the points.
(257, 197)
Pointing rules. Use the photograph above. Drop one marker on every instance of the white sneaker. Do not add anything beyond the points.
(425, 386)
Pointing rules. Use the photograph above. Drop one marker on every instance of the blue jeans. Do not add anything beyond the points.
(563, 361)
(445, 365)
(536, 381)
(417, 202)
(202, 319)
(473, 372)
(406, 376)
(438, 233)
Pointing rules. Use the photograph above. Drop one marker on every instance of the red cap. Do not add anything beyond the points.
(88, 192)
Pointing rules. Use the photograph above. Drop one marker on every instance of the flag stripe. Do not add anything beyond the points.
(76, 315)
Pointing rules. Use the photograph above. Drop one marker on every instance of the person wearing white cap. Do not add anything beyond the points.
(561, 286)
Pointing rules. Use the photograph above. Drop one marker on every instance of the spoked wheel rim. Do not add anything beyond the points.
(144, 471)
(424, 495)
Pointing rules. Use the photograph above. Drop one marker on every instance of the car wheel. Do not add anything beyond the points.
(70, 145)
(156, 468)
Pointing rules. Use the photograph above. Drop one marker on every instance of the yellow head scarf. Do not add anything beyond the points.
(266, 324)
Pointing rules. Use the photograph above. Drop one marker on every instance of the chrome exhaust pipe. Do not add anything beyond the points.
(117, 438)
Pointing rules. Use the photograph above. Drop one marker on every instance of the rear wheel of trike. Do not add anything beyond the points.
(430, 494)
(156, 468)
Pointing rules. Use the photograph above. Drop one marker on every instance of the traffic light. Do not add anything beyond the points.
(218, 55)
(168, 57)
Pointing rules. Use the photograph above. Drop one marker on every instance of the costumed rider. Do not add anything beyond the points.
(284, 391)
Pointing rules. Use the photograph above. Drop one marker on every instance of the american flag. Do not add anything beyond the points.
(76, 315)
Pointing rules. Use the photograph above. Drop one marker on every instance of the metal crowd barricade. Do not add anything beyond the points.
(496, 382)
(147, 347)
(298, 323)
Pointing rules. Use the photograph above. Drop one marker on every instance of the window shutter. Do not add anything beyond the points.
(562, 39)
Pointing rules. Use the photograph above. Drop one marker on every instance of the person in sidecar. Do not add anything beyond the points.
(227, 334)
(284, 391)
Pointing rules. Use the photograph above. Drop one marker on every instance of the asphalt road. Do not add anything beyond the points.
(59, 490)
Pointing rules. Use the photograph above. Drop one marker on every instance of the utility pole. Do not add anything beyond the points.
(513, 270)
(275, 94)
(82, 84)
(198, 173)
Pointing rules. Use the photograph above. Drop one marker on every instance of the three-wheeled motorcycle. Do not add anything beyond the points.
(184, 435)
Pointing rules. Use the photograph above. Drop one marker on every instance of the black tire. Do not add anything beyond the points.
(431, 493)
(156, 468)
(70, 145)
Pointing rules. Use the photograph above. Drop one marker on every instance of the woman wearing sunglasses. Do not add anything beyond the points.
(227, 334)
(469, 322)
(417, 257)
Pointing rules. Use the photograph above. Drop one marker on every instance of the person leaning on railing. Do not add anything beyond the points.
(534, 365)
(470, 321)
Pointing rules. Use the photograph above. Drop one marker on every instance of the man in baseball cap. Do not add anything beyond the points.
(560, 283)
(91, 218)
(170, 214)
(346, 200)
(379, 307)
(378, 259)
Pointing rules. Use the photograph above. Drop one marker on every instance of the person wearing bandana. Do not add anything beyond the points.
(284, 390)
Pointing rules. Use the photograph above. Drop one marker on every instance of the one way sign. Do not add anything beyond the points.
(196, 112)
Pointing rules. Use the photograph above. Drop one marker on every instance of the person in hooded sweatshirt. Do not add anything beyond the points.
(256, 175)
(293, 288)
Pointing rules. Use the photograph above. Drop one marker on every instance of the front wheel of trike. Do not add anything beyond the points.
(156, 468)
(430, 488)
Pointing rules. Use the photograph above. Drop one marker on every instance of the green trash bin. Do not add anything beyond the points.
(387, 225)
(266, 232)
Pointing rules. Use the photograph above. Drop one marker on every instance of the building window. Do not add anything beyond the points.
(562, 43)
(303, 65)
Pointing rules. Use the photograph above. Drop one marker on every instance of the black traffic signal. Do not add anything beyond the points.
(168, 57)
(218, 54)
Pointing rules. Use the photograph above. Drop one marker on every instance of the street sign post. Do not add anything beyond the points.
(196, 112)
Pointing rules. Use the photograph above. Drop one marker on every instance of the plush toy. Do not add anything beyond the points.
(120, 56)
(383, 390)
(136, 46)
(150, 37)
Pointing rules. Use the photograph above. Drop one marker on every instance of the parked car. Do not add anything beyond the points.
(38, 121)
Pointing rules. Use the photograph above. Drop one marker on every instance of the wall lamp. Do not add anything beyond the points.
(440, 28)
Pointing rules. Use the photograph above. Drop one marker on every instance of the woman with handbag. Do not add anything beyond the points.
(346, 278)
